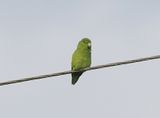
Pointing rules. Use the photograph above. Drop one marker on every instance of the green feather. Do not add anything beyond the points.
(81, 58)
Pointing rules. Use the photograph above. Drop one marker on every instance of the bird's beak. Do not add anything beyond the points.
(89, 44)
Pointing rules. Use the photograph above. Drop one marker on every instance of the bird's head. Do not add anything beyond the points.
(85, 43)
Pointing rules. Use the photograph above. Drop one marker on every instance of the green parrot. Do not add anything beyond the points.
(81, 58)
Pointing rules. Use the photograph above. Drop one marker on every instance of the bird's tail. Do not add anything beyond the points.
(75, 77)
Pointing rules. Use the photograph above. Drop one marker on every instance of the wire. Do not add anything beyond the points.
(87, 69)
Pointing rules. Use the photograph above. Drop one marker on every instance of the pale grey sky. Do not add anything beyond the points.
(39, 36)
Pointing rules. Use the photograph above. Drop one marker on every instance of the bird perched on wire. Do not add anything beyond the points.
(81, 58)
